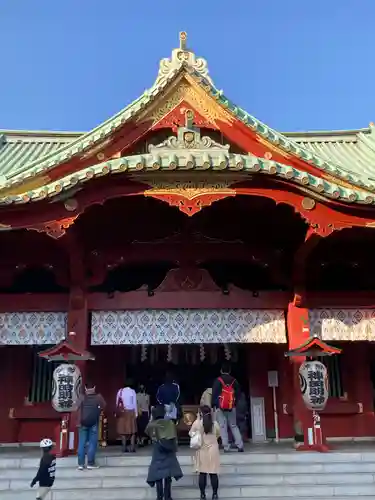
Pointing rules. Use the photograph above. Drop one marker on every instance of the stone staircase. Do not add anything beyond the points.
(254, 475)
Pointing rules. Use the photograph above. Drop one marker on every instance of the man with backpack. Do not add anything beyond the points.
(225, 394)
(90, 407)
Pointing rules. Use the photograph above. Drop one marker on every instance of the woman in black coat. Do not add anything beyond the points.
(164, 464)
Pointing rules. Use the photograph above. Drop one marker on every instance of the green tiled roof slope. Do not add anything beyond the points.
(353, 151)
(200, 161)
(19, 148)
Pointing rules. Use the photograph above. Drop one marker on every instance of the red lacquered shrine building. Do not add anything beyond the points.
(183, 231)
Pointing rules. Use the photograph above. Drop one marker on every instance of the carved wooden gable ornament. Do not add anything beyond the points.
(198, 153)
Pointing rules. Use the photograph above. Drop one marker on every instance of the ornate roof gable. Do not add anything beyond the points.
(188, 137)
(188, 76)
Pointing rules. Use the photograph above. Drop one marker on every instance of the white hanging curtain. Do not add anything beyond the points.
(32, 328)
(188, 326)
(343, 324)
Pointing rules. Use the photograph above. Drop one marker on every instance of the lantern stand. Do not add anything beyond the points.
(312, 349)
(68, 385)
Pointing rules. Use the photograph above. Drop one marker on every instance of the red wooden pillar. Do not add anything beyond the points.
(298, 333)
(78, 323)
(78, 313)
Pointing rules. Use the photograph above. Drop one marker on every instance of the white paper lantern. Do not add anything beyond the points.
(313, 378)
(66, 387)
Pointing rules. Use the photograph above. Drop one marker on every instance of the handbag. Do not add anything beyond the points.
(119, 408)
(196, 441)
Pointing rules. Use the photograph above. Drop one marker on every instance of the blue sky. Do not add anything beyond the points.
(68, 65)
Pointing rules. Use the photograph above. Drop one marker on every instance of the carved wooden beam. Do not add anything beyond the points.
(181, 251)
(193, 252)
(323, 219)
(55, 228)
(190, 197)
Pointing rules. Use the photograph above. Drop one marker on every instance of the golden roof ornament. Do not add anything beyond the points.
(182, 57)
(189, 137)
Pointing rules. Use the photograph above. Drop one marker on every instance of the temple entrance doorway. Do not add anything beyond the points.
(194, 367)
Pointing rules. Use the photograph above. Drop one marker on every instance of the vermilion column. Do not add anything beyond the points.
(299, 333)
(78, 323)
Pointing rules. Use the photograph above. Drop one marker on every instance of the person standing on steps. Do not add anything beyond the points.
(90, 407)
(127, 413)
(164, 464)
(168, 394)
(143, 405)
(207, 458)
(225, 394)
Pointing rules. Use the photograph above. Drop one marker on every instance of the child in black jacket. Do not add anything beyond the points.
(47, 469)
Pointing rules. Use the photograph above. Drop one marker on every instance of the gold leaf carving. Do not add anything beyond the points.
(187, 90)
(188, 190)
(25, 186)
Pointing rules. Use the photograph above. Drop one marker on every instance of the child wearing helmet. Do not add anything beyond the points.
(47, 469)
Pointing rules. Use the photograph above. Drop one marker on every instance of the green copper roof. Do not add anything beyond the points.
(20, 148)
(348, 156)
(205, 155)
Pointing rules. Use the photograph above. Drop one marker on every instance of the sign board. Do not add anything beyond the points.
(273, 379)
(258, 420)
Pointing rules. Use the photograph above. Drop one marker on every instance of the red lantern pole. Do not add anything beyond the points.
(314, 348)
(66, 431)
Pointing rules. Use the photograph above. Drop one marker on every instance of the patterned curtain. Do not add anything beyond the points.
(188, 326)
(32, 328)
(343, 324)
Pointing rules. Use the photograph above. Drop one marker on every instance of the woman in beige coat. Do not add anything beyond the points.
(207, 459)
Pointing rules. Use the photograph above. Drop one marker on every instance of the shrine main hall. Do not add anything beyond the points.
(180, 233)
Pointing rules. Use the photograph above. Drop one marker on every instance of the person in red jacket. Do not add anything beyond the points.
(47, 470)
(225, 394)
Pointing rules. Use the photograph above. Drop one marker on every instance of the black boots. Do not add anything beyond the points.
(164, 493)
(159, 490)
(167, 488)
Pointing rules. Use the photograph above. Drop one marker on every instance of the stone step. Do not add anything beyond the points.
(183, 493)
(288, 459)
(191, 480)
(120, 496)
(239, 469)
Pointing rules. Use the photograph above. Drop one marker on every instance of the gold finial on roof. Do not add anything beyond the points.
(183, 39)
(371, 124)
(182, 56)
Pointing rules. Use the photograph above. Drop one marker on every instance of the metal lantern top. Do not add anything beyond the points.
(314, 347)
(65, 352)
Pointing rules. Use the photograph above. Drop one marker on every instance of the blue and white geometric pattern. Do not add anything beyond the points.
(343, 324)
(32, 328)
(187, 326)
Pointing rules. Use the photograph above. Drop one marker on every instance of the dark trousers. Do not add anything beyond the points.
(164, 491)
(214, 478)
